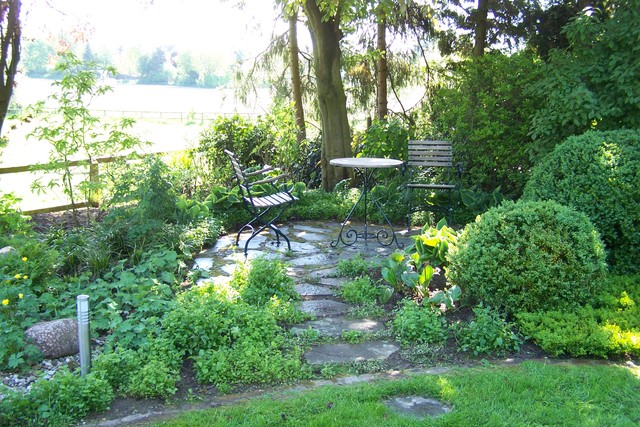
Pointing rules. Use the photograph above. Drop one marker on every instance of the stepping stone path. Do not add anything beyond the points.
(312, 264)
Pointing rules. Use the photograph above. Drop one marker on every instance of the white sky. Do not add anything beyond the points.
(198, 25)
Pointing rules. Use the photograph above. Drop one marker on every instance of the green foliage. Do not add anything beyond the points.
(251, 142)
(268, 140)
(608, 326)
(411, 270)
(528, 255)
(12, 221)
(414, 323)
(250, 362)
(488, 333)
(384, 138)
(263, 280)
(26, 283)
(595, 83)
(476, 202)
(486, 114)
(74, 132)
(153, 379)
(352, 267)
(321, 205)
(149, 185)
(231, 332)
(363, 290)
(62, 400)
(597, 173)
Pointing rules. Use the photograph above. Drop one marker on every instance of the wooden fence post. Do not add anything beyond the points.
(95, 195)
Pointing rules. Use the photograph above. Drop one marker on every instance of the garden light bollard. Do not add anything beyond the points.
(84, 332)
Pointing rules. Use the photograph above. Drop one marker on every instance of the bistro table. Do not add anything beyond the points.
(366, 166)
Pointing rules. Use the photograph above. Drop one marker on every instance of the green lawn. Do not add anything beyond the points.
(530, 394)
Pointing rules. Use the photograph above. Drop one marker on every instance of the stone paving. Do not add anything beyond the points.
(312, 263)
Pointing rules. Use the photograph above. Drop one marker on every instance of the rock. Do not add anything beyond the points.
(56, 338)
(7, 250)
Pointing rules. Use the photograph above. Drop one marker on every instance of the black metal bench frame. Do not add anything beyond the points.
(265, 208)
(428, 161)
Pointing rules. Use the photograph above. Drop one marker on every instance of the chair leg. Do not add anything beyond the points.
(409, 213)
(259, 217)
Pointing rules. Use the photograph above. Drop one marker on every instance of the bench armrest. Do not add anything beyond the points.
(270, 179)
(264, 170)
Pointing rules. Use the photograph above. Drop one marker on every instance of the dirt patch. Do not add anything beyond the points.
(66, 220)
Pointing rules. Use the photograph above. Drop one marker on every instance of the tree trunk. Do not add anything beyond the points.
(296, 83)
(481, 28)
(332, 101)
(383, 72)
(10, 32)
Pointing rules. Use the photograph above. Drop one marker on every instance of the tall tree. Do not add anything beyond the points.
(324, 27)
(383, 70)
(10, 32)
(480, 39)
(480, 24)
(296, 81)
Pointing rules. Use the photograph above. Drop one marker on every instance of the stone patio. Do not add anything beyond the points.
(312, 264)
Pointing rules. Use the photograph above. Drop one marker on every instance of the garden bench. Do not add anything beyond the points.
(262, 198)
(430, 167)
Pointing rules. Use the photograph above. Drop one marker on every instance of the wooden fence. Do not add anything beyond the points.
(94, 199)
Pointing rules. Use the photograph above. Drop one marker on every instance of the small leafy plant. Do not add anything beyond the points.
(414, 323)
(364, 291)
(488, 333)
(411, 271)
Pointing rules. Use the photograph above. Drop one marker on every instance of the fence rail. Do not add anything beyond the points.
(94, 177)
(181, 116)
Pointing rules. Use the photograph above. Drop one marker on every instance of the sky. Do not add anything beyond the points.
(197, 25)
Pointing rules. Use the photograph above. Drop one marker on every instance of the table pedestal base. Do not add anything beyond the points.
(386, 235)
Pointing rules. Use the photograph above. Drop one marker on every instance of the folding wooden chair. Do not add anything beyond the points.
(430, 167)
(262, 199)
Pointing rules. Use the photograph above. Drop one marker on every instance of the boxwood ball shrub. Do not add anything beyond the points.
(598, 173)
(528, 256)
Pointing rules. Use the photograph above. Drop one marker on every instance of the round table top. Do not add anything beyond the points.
(365, 162)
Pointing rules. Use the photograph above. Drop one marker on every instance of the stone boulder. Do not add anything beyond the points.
(7, 250)
(57, 338)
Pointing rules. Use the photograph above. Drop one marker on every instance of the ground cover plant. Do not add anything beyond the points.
(531, 393)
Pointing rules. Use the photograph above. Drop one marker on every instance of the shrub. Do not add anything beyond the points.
(417, 324)
(486, 113)
(609, 327)
(598, 173)
(487, 333)
(595, 81)
(528, 256)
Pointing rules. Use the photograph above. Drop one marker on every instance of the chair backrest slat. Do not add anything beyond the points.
(239, 172)
(430, 153)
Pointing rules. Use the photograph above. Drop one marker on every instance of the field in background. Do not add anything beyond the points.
(170, 118)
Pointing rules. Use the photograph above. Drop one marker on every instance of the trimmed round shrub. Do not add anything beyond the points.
(598, 173)
(528, 256)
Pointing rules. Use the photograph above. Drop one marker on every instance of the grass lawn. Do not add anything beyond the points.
(529, 394)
